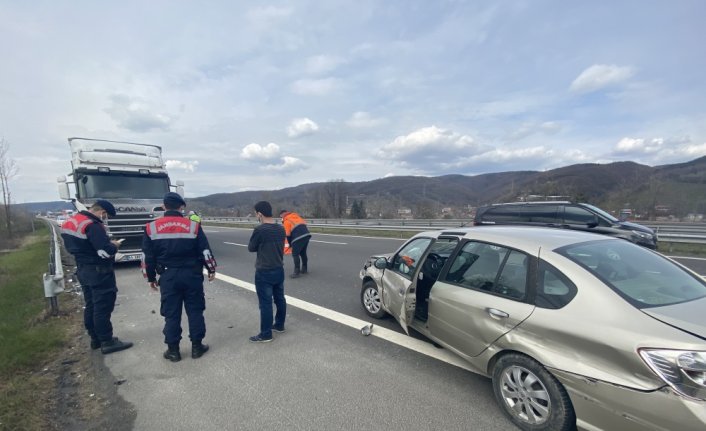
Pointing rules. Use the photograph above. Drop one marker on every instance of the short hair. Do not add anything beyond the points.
(264, 208)
(282, 212)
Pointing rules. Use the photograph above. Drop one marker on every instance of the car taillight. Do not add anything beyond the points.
(683, 370)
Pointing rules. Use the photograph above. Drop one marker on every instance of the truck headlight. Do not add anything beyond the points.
(683, 370)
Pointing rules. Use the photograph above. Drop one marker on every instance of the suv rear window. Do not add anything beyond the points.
(644, 278)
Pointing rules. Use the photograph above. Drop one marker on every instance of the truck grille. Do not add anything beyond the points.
(131, 227)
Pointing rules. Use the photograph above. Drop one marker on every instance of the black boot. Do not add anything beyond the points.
(295, 274)
(114, 345)
(198, 349)
(304, 269)
(95, 344)
(172, 353)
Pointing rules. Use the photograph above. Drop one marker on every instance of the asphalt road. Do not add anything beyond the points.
(321, 374)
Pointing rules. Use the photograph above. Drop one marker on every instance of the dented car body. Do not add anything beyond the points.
(575, 329)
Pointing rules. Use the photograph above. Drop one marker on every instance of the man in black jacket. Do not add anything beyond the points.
(177, 249)
(86, 238)
(267, 240)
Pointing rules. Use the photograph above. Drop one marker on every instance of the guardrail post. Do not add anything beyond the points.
(54, 280)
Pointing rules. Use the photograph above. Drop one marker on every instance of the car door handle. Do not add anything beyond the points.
(497, 314)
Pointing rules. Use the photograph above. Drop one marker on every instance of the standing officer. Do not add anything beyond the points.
(85, 237)
(298, 238)
(177, 249)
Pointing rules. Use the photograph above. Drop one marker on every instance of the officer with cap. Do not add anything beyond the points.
(176, 249)
(85, 237)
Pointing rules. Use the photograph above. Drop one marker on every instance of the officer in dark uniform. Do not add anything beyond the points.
(176, 248)
(86, 238)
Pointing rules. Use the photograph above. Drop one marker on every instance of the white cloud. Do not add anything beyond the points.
(430, 140)
(256, 152)
(189, 166)
(600, 76)
(301, 127)
(288, 165)
(137, 115)
(658, 150)
(314, 87)
(361, 120)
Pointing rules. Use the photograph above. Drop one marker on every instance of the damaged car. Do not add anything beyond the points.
(576, 330)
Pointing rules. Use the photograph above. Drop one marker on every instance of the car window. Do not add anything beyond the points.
(542, 213)
(576, 215)
(406, 260)
(643, 277)
(490, 268)
(513, 276)
(554, 289)
(504, 213)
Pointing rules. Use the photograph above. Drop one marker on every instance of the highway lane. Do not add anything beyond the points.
(335, 262)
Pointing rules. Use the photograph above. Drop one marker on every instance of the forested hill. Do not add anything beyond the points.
(679, 189)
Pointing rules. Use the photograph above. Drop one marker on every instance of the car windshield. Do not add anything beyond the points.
(643, 277)
(601, 212)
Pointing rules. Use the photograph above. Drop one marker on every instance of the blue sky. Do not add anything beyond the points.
(250, 95)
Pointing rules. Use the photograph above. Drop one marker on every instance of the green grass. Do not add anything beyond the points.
(27, 337)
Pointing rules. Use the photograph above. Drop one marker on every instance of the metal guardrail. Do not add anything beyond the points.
(54, 280)
(691, 233)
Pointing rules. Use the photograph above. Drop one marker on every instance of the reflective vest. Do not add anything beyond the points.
(74, 232)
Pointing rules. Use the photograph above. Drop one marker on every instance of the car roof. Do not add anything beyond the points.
(521, 237)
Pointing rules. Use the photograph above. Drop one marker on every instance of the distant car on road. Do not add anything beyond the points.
(575, 329)
(567, 215)
(60, 220)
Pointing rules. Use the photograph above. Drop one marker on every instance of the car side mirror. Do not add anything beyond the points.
(381, 263)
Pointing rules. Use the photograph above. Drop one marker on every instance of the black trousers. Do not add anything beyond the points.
(182, 287)
(299, 254)
(99, 293)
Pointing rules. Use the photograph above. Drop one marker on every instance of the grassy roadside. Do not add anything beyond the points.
(28, 337)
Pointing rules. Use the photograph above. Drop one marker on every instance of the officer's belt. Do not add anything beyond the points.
(162, 268)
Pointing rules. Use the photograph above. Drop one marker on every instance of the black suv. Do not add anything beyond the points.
(562, 214)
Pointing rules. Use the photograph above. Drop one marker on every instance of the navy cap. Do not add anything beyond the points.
(107, 206)
(174, 200)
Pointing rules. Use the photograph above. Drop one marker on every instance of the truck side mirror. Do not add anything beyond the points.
(180, 187)
(63, 188)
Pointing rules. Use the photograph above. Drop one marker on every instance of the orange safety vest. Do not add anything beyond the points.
(290, 221)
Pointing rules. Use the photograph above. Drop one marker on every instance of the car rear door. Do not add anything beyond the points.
(480, 297)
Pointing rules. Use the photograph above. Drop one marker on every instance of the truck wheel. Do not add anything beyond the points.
(370, 298)
(530, 396)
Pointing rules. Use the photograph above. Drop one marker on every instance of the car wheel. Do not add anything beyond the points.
(530, 396)
(370, 298)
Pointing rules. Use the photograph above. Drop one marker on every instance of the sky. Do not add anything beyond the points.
(263, 95)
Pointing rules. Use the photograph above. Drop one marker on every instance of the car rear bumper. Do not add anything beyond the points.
(604, 406)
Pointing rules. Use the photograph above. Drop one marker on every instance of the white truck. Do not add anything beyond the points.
(133, 177)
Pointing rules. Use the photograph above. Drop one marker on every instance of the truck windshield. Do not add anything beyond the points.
(114, 186)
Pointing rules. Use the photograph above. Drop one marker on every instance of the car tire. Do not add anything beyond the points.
(530, 396)
(371, 300)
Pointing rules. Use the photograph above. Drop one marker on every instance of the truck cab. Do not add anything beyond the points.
(133, 177)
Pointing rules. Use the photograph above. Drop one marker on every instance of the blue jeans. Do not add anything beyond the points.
(269, 285)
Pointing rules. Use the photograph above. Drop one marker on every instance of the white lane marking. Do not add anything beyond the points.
(378, 331)
(330, 242)
(687, 257)
(210, 231)
(235, 243)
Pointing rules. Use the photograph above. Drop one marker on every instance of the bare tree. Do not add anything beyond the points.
(8, 170)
